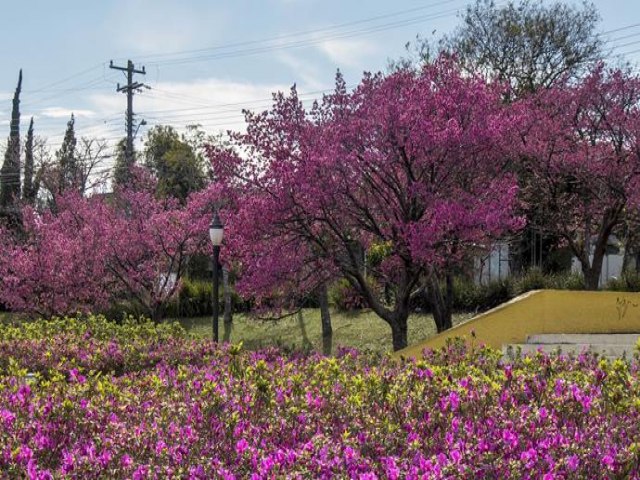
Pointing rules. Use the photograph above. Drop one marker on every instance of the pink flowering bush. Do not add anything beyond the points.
(203, 411)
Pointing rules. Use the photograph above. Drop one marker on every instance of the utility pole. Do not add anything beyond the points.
(130, 88)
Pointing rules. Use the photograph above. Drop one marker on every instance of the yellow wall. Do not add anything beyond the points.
(545, 311)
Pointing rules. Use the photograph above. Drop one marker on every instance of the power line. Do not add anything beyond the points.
(620, 29)
(72, 89)
(236, 104)
(70, 77)
(305, 33)
(91, 84)
(304, 43)
(624, 37)
(317, 40)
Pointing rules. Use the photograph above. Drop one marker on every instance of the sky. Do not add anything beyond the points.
(206, 60)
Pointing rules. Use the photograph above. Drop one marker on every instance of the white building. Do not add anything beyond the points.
(493, 266)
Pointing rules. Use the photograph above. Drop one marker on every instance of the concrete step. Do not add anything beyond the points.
(585, 338)
(607, 350)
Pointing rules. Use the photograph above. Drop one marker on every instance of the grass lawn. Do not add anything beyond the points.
(363, 330)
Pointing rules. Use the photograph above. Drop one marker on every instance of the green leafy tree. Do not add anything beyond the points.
(175, 162)
(74, 166)
(122, 169)
(528, 44)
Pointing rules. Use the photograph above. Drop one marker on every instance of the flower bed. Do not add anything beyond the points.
(96, 344)
(194, 411)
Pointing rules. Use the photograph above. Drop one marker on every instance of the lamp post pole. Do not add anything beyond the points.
(216, 232)
(216, 288)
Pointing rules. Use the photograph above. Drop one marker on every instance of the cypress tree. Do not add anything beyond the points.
(10, 171)
(122, 169)
(68, 165)
(29, 189)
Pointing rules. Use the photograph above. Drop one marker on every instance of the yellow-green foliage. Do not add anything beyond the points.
(97, 326)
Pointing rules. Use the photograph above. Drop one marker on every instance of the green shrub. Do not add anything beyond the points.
(628, 282)
(469, 297)
(194, 300)
(536, 279)
(345, 298)
(533, 279)
(466, 294)
(121, 310)
(496, 292)
(567, 281)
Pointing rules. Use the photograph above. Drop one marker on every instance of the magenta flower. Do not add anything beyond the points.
(241, 446)
(608, 461)
(7, 418)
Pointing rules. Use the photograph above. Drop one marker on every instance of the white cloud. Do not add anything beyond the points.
(348, 52)
(216, 104)
(59, 112)
(305, 73)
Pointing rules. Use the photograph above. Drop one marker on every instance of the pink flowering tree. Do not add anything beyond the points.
(56, 265)
(410, 164)
(93, 251)
(580, 147)
(149, 245)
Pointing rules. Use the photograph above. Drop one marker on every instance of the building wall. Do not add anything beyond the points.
(494, 266)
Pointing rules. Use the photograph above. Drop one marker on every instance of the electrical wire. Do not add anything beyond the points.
(305, 33)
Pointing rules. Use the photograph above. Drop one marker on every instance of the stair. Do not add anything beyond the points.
(610, 346)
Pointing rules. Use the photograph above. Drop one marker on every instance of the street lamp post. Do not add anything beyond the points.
(216, 233)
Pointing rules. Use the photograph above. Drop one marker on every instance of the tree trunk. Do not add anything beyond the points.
(626, 259)
(306, 344)
(226, 331)
(516, 248)
(441, 304)
(591, 280)
(592, 272)
(157, 312)
(228, 310)
(399, 333)
(396, 318)
(449, 296)
(325, 318)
